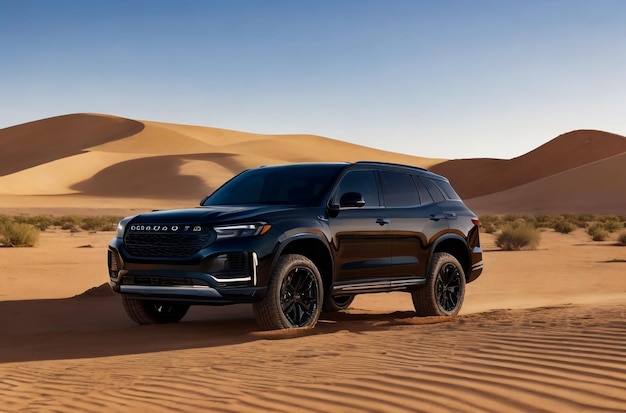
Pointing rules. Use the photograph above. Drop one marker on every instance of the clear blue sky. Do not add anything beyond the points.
(429, 78)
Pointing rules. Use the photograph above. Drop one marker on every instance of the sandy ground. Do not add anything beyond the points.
(540, 331)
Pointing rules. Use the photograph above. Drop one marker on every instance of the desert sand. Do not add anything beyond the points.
(541, 330)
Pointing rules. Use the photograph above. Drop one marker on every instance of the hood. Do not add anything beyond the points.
(209, 214)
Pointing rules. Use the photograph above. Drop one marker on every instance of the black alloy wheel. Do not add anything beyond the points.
(298, 296)
(294, 295)
(444, 291)
(448, 287)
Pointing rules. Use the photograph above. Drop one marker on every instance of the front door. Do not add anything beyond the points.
(360, 235)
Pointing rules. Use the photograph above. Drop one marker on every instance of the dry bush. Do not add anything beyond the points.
(18, 234)
(67, 222)
(545, 221)
(99, 223)
(41, 222)
(621, 238)
(564, 227)
(580, 220)
(597, 232)
(610, 223)
(490, 223)
(514, 237)
(600, 235)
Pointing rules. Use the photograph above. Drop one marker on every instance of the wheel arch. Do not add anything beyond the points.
(314, 248)
(455, 245)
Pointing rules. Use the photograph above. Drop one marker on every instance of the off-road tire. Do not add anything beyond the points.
(336, 303)
(153, 312)
(443, 293)
(294, 295)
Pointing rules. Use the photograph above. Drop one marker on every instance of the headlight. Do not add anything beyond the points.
(241, 230)
(121, 227)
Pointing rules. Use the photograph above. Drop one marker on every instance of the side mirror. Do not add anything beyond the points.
(351, 200)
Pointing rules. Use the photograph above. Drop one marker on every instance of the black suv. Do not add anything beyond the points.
(296, 240)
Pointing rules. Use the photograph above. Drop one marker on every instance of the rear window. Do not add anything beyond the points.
(446, 188)
(433, 189)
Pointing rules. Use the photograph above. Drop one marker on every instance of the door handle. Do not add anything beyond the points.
(381, 221)
(445, 215)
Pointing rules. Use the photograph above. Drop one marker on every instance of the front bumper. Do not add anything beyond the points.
(218, 278)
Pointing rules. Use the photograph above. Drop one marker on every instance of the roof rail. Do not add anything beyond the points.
(390, 164)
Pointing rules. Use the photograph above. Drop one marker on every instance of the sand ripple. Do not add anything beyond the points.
(542, 360)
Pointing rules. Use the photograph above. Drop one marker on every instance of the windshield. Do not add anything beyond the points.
(286, 185)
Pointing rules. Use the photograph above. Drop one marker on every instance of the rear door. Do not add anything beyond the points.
(415, 220)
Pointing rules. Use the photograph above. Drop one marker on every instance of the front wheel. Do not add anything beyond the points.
(444, 290)
(153, 312)
(294, 295)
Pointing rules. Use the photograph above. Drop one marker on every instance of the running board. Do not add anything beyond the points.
(378, 286)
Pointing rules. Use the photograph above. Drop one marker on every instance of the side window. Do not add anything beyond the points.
(421, 189)
(433, 189)
(399, 190)
(363, 182)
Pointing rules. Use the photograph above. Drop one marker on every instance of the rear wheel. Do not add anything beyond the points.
(444, 290)
(153, 312)
(337, 303)
(294, 295)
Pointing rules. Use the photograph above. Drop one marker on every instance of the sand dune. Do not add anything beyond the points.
(160, 165)
(477, 177)
(47, 140)
(596, 188)
(101, 155)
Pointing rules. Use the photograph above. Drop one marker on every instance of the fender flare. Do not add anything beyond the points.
(455, 237)
(303, 236)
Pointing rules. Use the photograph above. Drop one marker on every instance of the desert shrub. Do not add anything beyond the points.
(610, 223)
(580, 220)
(621, 238)
(564, 223)
(597, 232)
(600, 235)
(490, 223)
(99, 223)
(18, 234)
(514, 237)
(564, 227)
(513, 218)
(66, 222)
(41, 222)
(546, 221)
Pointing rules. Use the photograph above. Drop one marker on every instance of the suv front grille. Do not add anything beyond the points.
(165, 245)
